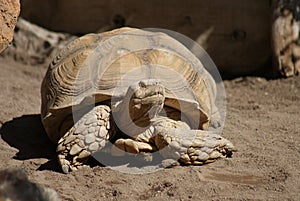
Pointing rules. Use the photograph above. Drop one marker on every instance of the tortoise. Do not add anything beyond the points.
(137, 89)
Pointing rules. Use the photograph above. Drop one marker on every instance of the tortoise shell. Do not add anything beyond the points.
(99, 67)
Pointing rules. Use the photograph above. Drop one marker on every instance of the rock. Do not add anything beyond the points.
(14, 185)
(9, 12)
(35, 45)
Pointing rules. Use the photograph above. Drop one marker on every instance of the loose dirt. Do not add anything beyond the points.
(262, 121)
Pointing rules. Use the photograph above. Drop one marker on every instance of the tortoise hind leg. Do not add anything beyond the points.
(87, 136)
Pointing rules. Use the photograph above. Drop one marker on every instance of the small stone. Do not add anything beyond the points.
(75, 149)
(90, 138)
(94, 146)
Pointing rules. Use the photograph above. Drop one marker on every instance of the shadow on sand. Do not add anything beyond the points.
(27, 134)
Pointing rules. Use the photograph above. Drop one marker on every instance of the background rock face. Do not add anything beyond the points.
(236, 32)
(9, 12)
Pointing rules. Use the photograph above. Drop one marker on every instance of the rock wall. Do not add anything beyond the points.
(235, 33)
(9, 12)
(285, 37)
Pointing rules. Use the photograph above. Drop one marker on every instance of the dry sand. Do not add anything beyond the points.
(262, 121)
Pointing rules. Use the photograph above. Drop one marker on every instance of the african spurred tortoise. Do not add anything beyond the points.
(141, 90)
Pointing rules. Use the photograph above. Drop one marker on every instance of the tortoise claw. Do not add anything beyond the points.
(71, 155)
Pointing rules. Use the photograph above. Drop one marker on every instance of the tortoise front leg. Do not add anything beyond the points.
(176, 140)
(87, 136)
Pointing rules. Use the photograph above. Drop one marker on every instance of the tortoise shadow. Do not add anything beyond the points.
(27, 134)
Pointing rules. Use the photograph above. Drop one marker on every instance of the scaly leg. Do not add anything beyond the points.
(176, 140)
(87, 136)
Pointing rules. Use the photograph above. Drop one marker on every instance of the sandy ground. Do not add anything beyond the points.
(262, 121)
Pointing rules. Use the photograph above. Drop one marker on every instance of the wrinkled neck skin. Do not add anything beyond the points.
(134, 118)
